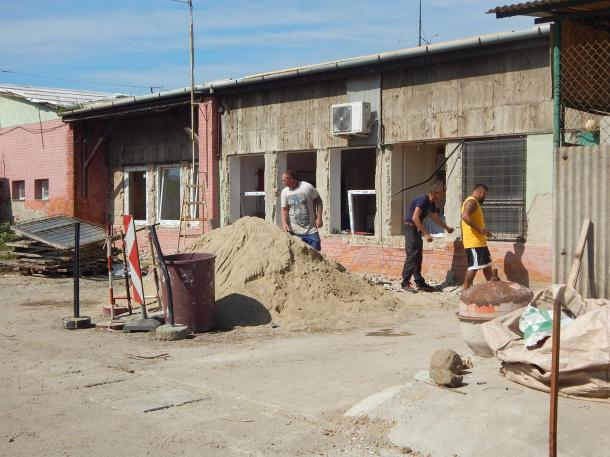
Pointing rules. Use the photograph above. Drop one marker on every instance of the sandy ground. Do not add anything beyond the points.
(259, 391)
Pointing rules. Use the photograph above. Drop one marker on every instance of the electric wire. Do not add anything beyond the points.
(434, 173)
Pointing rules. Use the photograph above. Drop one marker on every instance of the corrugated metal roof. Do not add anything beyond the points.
(58, 231)
(64, 98)
(544, 8)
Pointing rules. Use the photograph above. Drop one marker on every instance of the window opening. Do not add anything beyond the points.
(18, 190)
(169, 194)
(358, 176)
(137, 195)
(501, 165)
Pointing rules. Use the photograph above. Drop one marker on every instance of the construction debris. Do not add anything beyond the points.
(445, 368)
(46, 247)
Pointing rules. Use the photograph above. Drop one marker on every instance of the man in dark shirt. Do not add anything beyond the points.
(419, 208)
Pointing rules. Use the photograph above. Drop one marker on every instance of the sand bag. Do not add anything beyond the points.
(584, 365)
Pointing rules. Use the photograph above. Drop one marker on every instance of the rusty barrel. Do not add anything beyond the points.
(484, 302)
(192, 281)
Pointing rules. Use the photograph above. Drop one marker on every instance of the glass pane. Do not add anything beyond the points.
(137, 195)
(170, 198)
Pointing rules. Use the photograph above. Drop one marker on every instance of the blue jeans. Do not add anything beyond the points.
(313, 239)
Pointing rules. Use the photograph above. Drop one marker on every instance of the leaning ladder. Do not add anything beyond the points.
(192, 197)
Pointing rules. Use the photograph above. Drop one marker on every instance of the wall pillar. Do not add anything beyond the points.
(208, 149)
(453, 194)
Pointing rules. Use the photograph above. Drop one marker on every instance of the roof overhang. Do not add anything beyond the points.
(554, 10)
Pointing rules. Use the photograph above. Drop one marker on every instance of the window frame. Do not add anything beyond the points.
(159, 194)
(43, 195)
(500, 202)
(126, 171)
(21, 187)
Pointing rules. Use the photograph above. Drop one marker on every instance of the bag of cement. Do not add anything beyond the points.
(536, 324)
(584, 359)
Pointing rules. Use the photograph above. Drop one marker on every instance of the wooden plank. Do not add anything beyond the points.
(580, 247)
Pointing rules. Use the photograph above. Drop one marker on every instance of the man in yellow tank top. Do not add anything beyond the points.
(475, 235)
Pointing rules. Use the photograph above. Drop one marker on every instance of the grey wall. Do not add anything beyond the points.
(158, 138)
(581, 187)
(501, 94)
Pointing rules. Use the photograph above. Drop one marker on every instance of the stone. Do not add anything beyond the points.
(74, 323)
(445, 368)
(167, 332)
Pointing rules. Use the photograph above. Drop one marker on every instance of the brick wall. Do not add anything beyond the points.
(208, 152)
(28, 154)
(524, 263)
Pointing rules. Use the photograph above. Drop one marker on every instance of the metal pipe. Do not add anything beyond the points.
(557, 84)
(554, 379)
(168, 283)
(111, 300)
(76, 269)
(125, 270)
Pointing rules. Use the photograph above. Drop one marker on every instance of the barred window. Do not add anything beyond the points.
(500, 164)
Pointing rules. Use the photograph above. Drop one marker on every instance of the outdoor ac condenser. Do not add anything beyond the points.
(350, 118)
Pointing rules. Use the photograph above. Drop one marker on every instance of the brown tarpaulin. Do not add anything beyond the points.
(584, 365)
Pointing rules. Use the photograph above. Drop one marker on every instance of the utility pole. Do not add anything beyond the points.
(419, 41)
(193, 175)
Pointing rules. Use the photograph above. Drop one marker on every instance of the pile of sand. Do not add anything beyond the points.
(264, 274)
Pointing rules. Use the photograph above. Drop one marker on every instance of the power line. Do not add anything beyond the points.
(79, 81)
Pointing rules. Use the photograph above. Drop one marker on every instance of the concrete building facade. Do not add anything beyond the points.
(474, 109)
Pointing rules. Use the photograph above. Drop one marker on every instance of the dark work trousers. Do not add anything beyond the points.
(414, 246)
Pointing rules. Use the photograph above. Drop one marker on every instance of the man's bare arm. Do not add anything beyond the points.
(317, 203)
(436, 218)
(469, 208)
(285, 225)
(419, 224)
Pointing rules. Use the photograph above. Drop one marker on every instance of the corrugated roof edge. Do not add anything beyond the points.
(464, 43)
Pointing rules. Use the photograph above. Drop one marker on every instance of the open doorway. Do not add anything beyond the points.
(411, 164)
(357, 192)
(136, 193)
(247, 184)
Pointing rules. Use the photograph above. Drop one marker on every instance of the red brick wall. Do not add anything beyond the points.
(520, 262)
(27, 154)
(208, 161)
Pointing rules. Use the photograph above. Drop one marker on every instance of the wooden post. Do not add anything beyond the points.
(554, 379)
(580, 247)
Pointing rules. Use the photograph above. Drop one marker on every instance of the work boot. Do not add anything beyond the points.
(424, 287)
(408, 287)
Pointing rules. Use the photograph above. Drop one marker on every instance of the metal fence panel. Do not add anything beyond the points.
(581, 187)
(585, 81)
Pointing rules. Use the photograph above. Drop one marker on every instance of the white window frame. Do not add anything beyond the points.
(44, 193)
(20, 190)
(126, 171)
(160, 168)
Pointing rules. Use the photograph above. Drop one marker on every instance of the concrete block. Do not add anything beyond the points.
(168, 333)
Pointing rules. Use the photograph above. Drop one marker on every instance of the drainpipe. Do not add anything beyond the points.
(557, 84)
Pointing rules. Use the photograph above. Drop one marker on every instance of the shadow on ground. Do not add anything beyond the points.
(239, 310)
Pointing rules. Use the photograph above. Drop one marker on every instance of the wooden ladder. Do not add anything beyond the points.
(192, 199)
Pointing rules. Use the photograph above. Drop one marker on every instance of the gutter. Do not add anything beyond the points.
(373, 59)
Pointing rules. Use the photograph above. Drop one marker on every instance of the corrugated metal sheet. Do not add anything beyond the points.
(64, 98)
(547, 7)
(581, 188)
(58, 231)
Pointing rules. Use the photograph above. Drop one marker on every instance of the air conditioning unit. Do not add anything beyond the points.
(350, 118)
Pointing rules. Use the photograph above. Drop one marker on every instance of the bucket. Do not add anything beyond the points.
(192, 281)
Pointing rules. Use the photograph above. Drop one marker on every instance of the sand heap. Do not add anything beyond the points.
(262, 273)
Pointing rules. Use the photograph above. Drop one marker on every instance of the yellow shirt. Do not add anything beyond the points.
(471, 238)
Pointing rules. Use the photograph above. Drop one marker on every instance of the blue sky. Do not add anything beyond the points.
(145, 42)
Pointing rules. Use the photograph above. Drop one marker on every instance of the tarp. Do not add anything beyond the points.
(584, 362)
